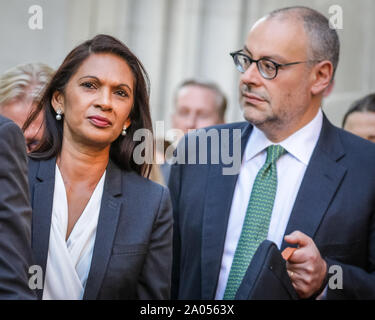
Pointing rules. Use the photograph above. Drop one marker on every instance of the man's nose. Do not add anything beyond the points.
(191, 121)
(252, 76)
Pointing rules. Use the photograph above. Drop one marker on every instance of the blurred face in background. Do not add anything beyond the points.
(361, 124)
(18, 110)
(195, 107)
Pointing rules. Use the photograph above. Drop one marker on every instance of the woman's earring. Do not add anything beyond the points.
(123, 132)
(59, 113)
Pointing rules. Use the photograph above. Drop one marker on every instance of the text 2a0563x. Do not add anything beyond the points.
(209, 309)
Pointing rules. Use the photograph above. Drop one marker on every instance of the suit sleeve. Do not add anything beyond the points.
(351, 282)
(15, 215)
(155, 280)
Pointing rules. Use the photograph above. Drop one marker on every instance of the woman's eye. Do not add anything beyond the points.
(88, 85)
(121, 93)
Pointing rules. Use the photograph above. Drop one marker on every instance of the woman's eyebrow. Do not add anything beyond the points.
(96, 78)
(125, 85)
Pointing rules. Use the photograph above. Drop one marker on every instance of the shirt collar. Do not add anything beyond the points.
(300, 144)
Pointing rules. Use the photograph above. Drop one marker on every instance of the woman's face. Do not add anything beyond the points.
(97, 101)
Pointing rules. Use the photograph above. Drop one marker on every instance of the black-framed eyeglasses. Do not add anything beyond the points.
(266, 67)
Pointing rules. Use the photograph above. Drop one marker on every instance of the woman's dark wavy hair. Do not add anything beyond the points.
(121, 151)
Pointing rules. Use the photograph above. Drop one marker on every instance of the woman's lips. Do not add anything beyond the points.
(100, 121)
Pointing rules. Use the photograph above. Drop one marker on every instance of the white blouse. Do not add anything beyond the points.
(68, 262)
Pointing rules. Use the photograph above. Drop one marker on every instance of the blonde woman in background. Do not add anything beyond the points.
(20, 89)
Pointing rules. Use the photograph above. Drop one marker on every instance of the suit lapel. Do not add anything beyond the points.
(319, 185)
(42, 212)
(106, 230)
(218, 202)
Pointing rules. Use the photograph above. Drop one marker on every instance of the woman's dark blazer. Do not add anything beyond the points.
(133, 246)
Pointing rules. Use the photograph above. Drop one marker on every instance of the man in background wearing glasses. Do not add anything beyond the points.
(302, 182)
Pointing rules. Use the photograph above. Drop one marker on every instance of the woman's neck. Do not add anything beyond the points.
(82, 164)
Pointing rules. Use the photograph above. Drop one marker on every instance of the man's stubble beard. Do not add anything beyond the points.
(272, 124)
(264, 121)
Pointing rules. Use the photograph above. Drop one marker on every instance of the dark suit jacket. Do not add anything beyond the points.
(15, 214)
(335, 206)
(133, 247)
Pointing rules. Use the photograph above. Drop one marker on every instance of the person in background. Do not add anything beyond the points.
(360, 118)
(15, 215)
(20, 90)
(100, 229)
(198, 104)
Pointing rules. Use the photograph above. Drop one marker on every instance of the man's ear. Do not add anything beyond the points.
(329, 89)
(57, 101)
(322, 76)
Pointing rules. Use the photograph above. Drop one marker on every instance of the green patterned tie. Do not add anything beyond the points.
(257, 220)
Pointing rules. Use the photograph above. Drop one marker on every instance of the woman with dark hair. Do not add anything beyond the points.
(100, 229)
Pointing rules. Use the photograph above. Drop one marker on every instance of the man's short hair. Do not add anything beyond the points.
(324, 40)
(365, 104)
(24, 81)
(220, 96)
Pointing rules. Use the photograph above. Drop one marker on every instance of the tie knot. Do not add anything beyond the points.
(274, 152)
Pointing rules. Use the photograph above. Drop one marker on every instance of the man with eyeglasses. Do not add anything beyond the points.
(302, 182)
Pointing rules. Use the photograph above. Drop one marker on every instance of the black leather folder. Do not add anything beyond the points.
(266, 277)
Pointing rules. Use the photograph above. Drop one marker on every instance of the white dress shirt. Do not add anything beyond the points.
(69, 262)
(291, 168)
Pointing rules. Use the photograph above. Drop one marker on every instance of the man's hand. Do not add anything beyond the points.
(306, 268)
